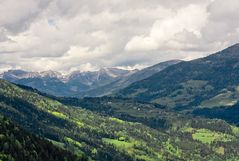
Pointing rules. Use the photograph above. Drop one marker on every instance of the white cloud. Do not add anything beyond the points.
(164, 31)
(16, 16)
(142, 43)
(66, 35)
(84, 67)
(136, 66)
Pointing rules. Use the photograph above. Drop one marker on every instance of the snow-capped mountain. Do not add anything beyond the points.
(80, 84)
(65, 85)
(100, 77)
(125, 81)
(21, 74)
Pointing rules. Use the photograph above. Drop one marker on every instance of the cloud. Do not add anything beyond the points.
(84, 67)
(169, 30)
(16, 16)
(85, 35)
(136, 66)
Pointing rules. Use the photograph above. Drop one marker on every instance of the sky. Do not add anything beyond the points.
(69, 35)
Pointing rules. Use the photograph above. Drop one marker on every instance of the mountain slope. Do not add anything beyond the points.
(69, 85)
(19, 145)
(196, 83)
(94, 80)
(123, 82)
(110, 138)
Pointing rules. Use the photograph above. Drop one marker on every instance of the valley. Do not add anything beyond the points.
(186, 115)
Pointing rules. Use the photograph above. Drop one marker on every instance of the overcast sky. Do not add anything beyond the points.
(67, 35)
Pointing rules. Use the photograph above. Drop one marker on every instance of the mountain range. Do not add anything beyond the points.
(79, 84)
(65, 85)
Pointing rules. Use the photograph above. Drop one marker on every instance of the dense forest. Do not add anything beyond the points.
(19, 145)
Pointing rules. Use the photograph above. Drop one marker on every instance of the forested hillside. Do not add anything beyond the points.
(111, 137)
(19, 145)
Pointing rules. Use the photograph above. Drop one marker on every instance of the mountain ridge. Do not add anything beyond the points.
(80, 84)
(18, 73)
(123, 82)
(204, 78)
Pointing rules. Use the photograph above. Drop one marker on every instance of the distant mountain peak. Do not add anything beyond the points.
(113, 72)
(21, 74)
(51, 73)
(78, 82)
(16, 71)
